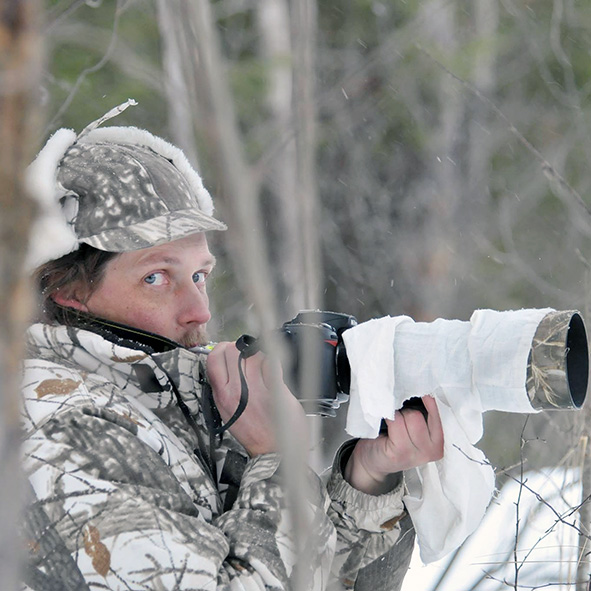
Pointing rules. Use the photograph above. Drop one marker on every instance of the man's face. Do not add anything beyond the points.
(161, 289)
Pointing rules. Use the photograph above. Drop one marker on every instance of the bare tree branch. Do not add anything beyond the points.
(246, 233)
(104, 59)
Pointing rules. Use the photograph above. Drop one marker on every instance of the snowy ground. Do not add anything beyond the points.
(547, 545)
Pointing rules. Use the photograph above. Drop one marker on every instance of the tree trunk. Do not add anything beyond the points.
(19, 71)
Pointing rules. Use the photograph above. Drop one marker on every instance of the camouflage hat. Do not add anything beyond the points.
(118, 188)
(130, 197)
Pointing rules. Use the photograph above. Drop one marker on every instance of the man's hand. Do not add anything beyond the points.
(255, 429)
(411, 441)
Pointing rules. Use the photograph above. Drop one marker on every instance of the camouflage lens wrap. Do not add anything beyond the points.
(558, 363)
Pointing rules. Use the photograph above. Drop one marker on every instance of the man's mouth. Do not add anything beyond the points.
(196, 338)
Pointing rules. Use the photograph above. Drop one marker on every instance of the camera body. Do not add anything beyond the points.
(320, 332)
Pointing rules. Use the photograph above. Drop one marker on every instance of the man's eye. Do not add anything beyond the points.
(199, 277)
(154, 279)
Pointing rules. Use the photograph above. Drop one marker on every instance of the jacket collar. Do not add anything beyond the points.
(120, 334)
(134, 360)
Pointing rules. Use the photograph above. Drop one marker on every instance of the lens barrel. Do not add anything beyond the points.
(558, 363)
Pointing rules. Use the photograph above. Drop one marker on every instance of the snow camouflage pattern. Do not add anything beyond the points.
(119, 500)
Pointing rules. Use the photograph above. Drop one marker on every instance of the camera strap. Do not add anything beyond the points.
(248, 346)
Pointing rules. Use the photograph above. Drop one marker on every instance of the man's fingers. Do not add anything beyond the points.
(433, 420)
(425, 434)
(222, 369)
(217, 367)
(416, 427)
(270, 368)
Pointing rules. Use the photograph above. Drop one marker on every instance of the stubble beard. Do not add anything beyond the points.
(197, 336)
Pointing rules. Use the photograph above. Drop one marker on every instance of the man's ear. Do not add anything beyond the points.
(69, 298)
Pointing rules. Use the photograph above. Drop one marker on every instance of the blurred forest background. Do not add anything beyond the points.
(385, 157)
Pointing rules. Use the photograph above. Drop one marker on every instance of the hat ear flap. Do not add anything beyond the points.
(51, 234)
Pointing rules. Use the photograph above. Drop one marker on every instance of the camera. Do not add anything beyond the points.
(318, 370)
(318, 334)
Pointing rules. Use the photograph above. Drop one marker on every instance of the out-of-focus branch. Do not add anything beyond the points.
(178, 78)
(236, 176)
(275, 50)
(304, 45)
(246, 232)
(20, 65)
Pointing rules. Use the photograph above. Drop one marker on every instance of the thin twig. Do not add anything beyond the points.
(91, 70)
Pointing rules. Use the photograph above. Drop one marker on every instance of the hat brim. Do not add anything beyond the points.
(159, 230)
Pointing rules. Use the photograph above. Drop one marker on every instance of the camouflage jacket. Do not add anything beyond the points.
(130, 492)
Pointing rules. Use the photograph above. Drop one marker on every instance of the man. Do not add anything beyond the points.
(134, 482)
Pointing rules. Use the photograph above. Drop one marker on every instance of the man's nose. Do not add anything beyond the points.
(194, 306)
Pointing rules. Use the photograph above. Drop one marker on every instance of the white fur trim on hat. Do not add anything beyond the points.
(51, 236)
